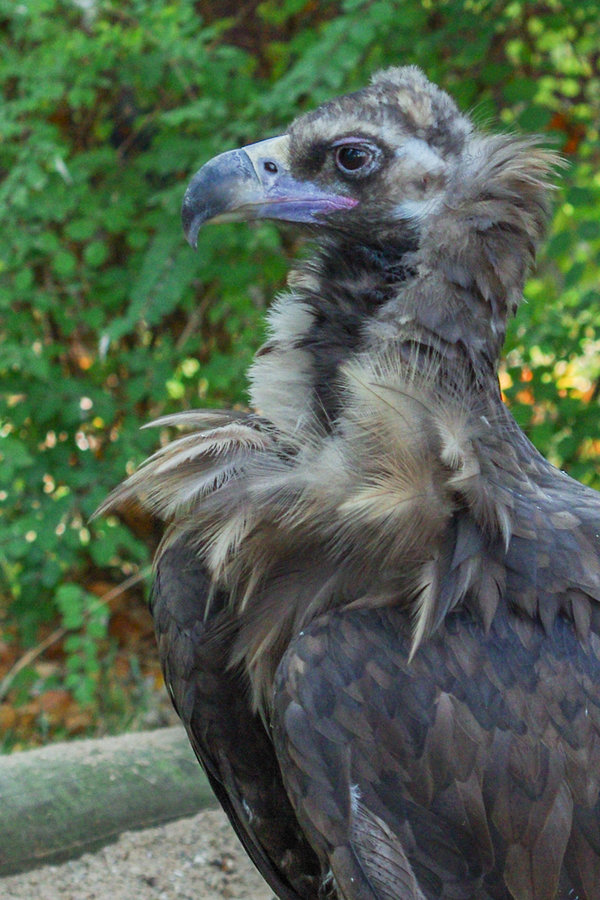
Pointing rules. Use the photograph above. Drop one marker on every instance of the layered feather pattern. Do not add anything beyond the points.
(397, 505)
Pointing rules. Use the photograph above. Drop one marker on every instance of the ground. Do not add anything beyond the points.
(191, 859)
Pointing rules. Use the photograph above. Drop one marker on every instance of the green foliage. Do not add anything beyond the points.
(85, 617)
(108, 318)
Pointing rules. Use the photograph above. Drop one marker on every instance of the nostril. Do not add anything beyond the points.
(270, 167)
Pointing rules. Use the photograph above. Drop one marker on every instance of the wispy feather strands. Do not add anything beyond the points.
(290, 524)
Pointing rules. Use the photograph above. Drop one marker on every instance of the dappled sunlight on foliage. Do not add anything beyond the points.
(108, 319)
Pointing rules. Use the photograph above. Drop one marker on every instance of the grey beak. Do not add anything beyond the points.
(254, 183)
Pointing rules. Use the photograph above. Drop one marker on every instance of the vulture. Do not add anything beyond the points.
(377, 605)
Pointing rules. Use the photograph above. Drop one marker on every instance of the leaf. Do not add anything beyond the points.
(70, 601)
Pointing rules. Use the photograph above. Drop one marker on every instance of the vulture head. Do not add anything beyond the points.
(393, 169)
(382, 158)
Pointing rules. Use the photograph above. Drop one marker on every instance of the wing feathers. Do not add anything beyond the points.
(381, 857)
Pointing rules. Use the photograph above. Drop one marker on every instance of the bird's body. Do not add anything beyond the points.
(377, 605)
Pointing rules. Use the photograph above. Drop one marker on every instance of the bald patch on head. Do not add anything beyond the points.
(422, 154)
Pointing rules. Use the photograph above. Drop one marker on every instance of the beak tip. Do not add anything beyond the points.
(192, 221)
(191, 235)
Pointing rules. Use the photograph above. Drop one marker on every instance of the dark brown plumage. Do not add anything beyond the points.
(377, 605)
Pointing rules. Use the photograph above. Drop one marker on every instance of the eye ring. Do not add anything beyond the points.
(354, 159)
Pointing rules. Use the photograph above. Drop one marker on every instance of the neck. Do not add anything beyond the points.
(354, 298)
(475, 249)
(321, 323)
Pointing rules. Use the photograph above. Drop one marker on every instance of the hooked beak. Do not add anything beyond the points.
(254, 183)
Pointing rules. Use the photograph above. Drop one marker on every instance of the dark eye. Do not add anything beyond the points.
(351, 159)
